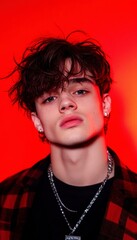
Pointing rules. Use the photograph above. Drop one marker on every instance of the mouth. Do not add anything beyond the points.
(69, 122)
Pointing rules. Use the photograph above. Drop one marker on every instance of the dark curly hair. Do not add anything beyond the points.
(40, 68)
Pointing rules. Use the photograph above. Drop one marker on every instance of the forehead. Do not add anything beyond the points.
(75, 70)
(74, 74)
(76, 81)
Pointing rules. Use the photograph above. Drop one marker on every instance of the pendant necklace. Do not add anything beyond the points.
(62, 205)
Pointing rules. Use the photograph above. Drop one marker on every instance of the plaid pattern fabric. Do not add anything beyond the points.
(17, 194)
(120, 221)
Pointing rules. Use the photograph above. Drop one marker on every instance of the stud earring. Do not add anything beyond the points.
(40, 130)
(106, 114)
(41, 134)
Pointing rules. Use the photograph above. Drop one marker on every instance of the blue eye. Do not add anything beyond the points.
(81, 92)
(49, 99)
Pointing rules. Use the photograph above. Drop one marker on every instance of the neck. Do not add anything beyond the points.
(80, 166)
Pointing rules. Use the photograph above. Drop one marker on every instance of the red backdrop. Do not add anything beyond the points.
(114, 24)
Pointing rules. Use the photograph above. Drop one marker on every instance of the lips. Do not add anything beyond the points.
(70, 121)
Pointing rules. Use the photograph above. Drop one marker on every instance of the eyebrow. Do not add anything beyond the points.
(80, 80)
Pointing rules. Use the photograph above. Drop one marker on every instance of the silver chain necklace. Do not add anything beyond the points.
(51, 179)
(61, 204)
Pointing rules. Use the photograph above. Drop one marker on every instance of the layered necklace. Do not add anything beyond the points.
(62, 205)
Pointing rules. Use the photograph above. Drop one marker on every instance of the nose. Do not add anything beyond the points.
(67, 103)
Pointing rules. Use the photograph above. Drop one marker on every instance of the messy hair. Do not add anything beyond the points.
(40, 68)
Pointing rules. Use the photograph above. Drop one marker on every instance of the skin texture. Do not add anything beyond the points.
(72, 119)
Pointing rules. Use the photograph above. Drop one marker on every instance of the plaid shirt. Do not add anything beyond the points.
(17, 194)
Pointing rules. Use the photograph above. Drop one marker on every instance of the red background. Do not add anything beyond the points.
(114, 24)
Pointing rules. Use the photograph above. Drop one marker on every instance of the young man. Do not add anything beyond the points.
(81, 190)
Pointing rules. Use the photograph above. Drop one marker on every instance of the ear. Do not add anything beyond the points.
(106, 101)
(37, 122)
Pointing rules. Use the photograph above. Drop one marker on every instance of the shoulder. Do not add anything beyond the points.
(124, 176)
(24, 178)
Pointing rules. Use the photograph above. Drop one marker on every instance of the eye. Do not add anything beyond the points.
(81, 92)
(49, 99)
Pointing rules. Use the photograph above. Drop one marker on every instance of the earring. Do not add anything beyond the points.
(40, 130)
(41, 134)
(106, 114)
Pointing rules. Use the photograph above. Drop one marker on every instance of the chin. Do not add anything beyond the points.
(74, 143)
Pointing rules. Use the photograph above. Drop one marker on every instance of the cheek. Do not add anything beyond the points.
(49, 123)
(44, 117)
(99, 115)
(95, 114)
(95, 109)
